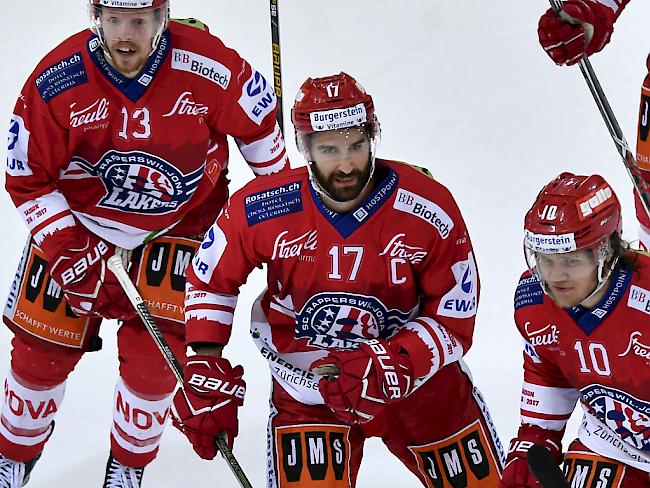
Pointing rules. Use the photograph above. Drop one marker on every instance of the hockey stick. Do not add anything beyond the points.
(545, 469)
(277, 68)
(640, 186)
(117, 267)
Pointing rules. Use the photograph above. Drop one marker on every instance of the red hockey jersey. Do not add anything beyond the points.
(398, 266)
(599, 357)
(130, 157)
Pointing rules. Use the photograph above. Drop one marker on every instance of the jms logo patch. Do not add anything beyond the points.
(313, 455)
(142, 183)
(344, 320)
(464, 459)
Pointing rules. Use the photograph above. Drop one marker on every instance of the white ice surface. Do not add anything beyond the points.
(461, 87)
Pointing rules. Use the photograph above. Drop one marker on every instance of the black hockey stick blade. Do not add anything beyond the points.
(545, 468)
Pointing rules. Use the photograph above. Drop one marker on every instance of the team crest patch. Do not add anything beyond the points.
(138, 182)
(272, 203)
(344, 320)
(626, 415)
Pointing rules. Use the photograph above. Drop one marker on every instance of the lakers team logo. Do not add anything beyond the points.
(344, 320)
(139, 182)
(626, 415)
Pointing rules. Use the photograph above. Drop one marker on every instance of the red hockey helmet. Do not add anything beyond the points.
(336, 102)
(574, 213)
(130, 3)
(332, 102)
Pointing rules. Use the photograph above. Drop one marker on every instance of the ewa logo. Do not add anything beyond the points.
(545, 336)
(257, 98)
(397, 249)
(95, 112)
(344, 320)
(17, 144)
(186, 106)
(141, 183)
(460, 301)
(601, 198)
(626, 415)
(637, 347)
(428, 211)
(291, 248)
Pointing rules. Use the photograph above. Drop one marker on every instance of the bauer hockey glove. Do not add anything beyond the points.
(582, 28)
(77, 262)
(516, 473)
(358, 384)
(207, 404)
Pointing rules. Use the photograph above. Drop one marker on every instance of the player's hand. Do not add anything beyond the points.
(583, 27)
(516, 473)
(359, 384)
(77, 262)
(207, 404)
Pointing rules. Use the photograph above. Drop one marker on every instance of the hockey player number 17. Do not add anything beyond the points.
(598, 358)
(335, 252)
(141, 115)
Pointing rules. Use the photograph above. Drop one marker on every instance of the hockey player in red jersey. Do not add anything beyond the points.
(583, 311)
(582, 28)
(118, 139)
(370, 306)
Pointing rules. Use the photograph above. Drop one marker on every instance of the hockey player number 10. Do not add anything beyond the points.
(141, 115)
(597, 356)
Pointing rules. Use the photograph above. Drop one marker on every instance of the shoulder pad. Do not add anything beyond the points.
(529, 292)
(192, 22)
(420, 169)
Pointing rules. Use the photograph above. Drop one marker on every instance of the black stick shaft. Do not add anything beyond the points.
(640, 186)
(277, 66)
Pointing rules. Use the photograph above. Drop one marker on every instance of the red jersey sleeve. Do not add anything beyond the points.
(36, 154)
(222, 264)
(449, 288)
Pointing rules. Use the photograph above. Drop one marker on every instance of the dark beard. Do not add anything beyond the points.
(342, 194)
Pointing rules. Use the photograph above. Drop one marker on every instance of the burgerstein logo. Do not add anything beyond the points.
(141, 183)
(344, 320)
(338, 118)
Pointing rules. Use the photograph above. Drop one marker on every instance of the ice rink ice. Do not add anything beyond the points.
(461, 87)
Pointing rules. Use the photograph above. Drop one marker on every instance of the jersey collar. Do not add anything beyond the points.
(590, 318)
(347, 223)
(134, 88)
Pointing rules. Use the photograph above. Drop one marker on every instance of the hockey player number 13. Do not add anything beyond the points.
(141, 116)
